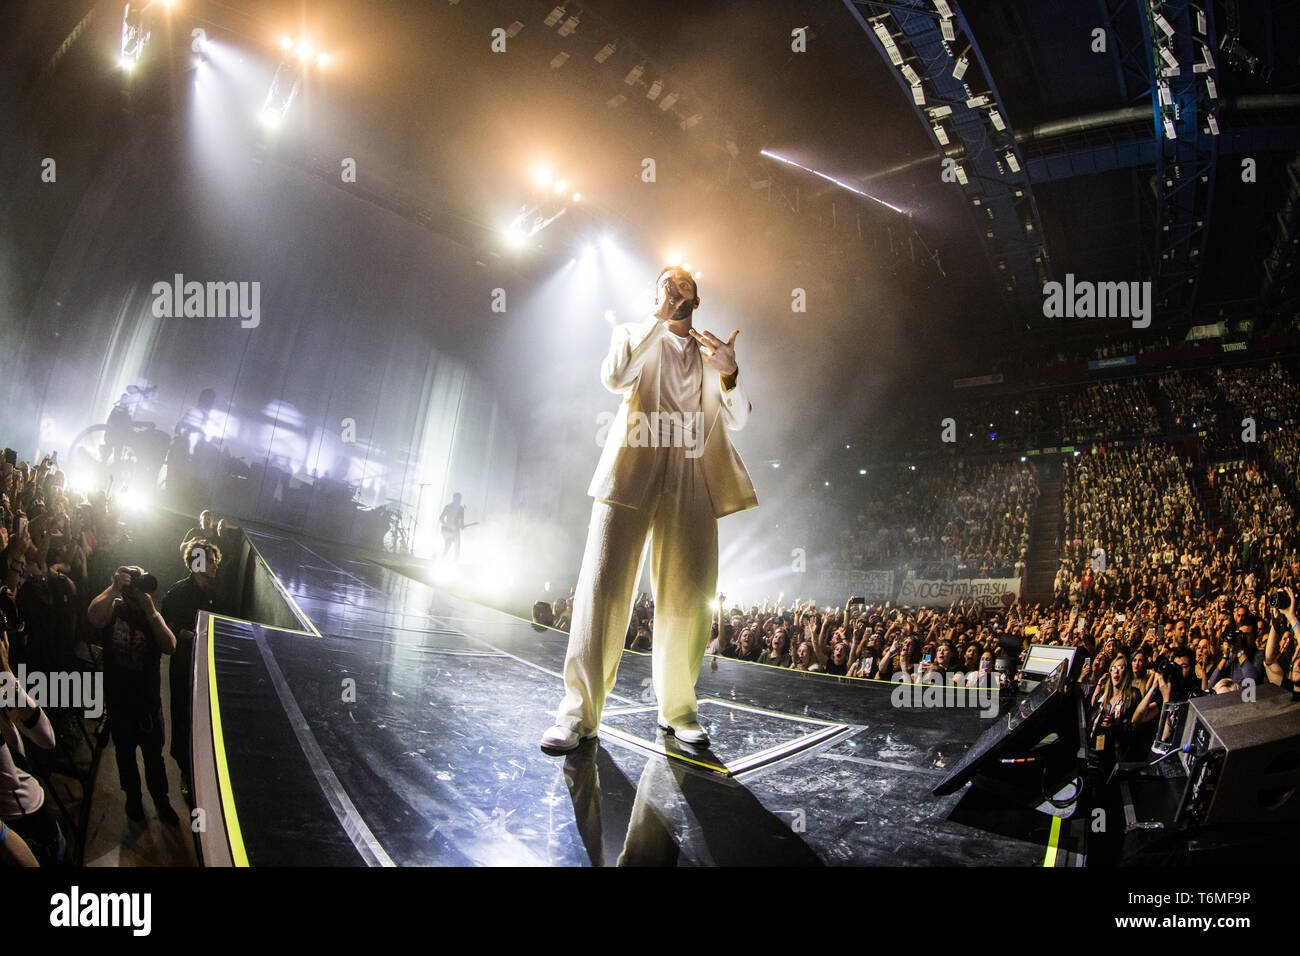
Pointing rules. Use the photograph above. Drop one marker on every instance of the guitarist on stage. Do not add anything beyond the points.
(453, 522)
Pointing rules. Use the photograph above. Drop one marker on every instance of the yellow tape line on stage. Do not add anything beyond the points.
(1052, 840)
(237, 852)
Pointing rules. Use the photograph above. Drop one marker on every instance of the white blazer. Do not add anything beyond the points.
(626, 473)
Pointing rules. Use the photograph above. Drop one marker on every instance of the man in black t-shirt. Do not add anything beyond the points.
(206, 530)
(135, 639)
(180, 609)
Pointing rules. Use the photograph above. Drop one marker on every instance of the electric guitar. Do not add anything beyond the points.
(449, 531)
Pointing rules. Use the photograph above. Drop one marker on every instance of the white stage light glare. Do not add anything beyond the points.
(577, 197)
(674, 259)
(542, 175)
(829, 179)
(286, 43)
(322, 59)
(560, 186)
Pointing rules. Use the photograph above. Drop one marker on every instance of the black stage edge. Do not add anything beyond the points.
(399, 726)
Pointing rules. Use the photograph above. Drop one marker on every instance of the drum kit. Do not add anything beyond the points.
(398, 528)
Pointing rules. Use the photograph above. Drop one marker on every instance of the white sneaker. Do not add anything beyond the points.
(560, 739)
(688, 732)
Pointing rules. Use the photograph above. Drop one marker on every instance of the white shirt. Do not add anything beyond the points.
(680, 374)
(681, 382)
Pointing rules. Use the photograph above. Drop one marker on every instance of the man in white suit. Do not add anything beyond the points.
(669, 484)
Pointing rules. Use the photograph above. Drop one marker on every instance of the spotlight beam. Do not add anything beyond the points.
(832, 179)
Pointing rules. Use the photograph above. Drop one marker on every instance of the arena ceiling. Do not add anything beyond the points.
(442, 118)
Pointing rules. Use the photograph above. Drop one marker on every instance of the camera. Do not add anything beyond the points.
(142, 580)
(1169, 670)
(1279, 601)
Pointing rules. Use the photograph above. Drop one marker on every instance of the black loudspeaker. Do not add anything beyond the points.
(1243, 764)
(1025, 746)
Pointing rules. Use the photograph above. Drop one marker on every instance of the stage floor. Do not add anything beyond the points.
(401, 726)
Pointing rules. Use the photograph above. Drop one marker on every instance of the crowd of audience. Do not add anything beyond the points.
(1137, 501)
(1189, 401)
(1281, 450)
(1150, 635)
(59, 548)
(945, 519)
(1168, 404)
(1256, 505)
(1012, 420)
(1120, 347)
(1106, 412)
(1267, 393)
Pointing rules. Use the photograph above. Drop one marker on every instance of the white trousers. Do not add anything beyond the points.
(683, 536)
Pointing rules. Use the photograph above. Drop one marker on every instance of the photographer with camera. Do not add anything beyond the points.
(135, 638)
(1175, 681)
(1279, 651)
(1241, 658)
(180, 609)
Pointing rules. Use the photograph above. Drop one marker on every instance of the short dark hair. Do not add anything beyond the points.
(694, 285)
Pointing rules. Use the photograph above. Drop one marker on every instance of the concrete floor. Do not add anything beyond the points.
(114, 840)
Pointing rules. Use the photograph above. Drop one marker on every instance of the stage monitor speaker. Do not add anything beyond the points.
(1023, 727)
(1042, 661)
(1244, 759)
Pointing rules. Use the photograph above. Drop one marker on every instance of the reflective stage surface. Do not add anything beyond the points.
(406, 734)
